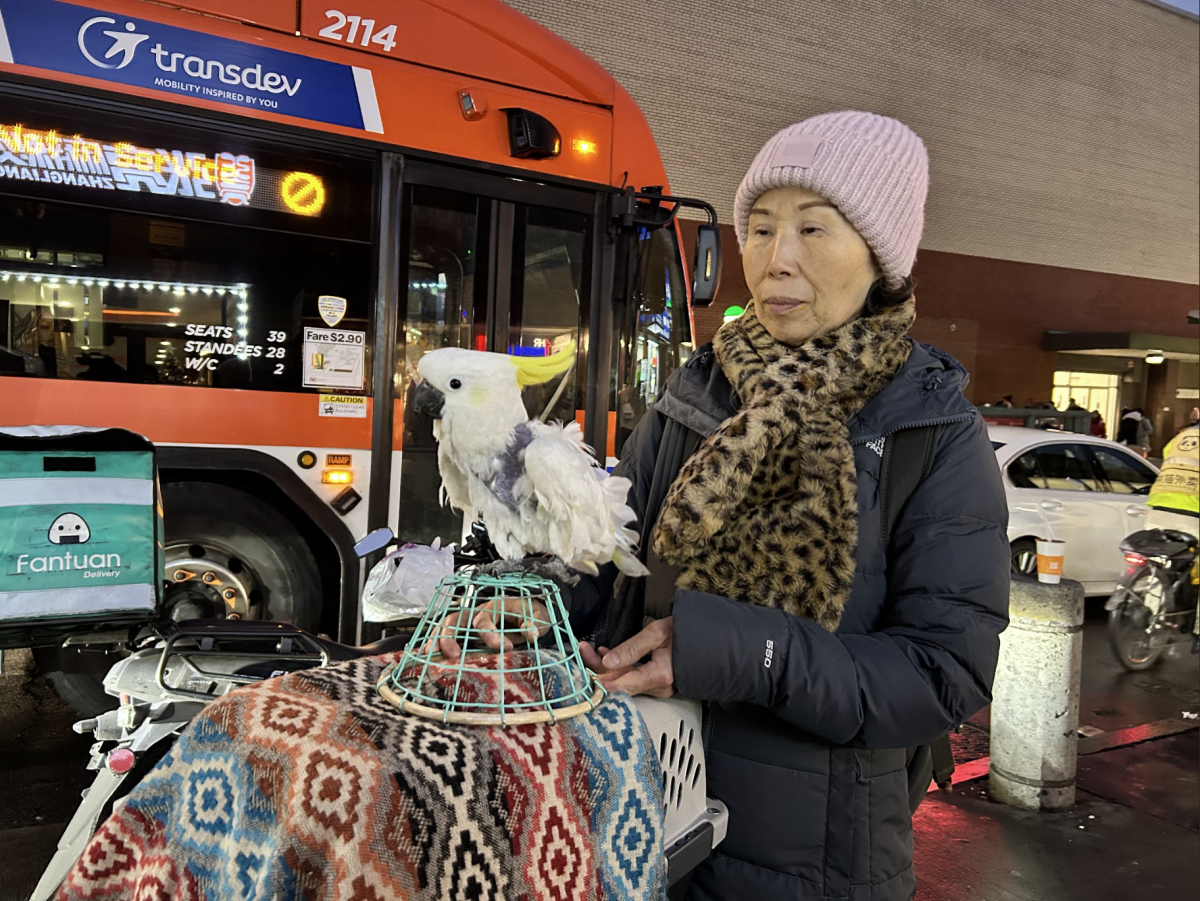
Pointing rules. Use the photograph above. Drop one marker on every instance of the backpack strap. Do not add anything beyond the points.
(678, 445)
(907, 461)
(943, 761)
(632, 599)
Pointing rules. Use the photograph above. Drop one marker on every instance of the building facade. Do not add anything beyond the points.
(1065, 164)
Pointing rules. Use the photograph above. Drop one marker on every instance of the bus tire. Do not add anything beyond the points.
(208, 514)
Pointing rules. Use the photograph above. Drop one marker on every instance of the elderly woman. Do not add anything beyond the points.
(824, 656)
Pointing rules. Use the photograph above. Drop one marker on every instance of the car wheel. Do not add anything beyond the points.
(1024, 557)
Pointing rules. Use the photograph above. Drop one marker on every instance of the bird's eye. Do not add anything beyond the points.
(455, 384)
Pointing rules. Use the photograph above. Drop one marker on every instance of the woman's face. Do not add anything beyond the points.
(807, 268)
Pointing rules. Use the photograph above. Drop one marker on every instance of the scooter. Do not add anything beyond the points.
(177, 668)
(173, 670)
(1155, 605)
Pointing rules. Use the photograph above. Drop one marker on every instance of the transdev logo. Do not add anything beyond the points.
(123, 45)
(123, 42)
(127, 50)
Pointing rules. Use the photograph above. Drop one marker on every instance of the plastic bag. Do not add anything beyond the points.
(402, 583)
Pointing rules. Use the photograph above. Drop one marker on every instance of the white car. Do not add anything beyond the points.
(1088, 492)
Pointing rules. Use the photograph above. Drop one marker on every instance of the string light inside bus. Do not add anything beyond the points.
(239, 290)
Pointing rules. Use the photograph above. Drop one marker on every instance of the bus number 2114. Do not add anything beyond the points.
(384, 37)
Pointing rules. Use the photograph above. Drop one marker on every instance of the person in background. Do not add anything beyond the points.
(1135, 428)
(1098, 427)
(1195, 416)
(1174, 500)
(1144, 431)
(1006, 401)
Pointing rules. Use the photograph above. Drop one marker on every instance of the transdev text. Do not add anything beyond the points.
(251, 77)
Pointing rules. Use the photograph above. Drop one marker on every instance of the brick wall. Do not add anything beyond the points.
(992, 314)
(1061, 132)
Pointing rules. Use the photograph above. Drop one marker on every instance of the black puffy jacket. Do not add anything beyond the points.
(808, 750)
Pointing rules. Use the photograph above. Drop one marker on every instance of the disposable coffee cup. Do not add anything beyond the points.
(1050, 560)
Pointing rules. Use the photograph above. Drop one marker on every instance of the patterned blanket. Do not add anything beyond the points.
(311, 786)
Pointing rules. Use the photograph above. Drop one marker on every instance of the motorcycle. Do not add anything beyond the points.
(1155, 605)
(171, 674)
(175, 669)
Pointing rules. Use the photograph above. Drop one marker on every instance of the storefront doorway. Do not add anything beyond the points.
(1092, 391)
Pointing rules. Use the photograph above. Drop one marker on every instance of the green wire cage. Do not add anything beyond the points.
(536, 676)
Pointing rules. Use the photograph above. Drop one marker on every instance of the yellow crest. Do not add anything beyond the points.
(535, 370)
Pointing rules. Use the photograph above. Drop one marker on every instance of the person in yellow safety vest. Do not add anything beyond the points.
(1174, 499)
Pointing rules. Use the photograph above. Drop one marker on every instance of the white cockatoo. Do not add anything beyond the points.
(535, 485)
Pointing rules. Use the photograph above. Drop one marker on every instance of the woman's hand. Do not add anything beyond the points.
(617, 670)
(490, 622)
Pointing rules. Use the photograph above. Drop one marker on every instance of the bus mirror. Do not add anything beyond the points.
(706, 268)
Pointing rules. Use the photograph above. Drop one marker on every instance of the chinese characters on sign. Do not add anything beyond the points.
(234, 179)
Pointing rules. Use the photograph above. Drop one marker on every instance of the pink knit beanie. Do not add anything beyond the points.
(873, 169)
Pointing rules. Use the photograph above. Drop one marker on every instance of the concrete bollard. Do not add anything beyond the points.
(1035, 699)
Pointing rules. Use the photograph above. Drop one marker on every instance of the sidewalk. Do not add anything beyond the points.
(1135, 829)
(1133, 834)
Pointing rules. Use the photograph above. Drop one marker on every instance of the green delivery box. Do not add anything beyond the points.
(80, 531)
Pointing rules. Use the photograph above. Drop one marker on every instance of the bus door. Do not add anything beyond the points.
(493, 264)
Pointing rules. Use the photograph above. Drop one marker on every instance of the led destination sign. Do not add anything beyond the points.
(230, 178)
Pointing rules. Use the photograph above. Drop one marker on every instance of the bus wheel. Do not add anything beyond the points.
(227, 553)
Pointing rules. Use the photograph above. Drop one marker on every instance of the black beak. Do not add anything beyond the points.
(429, 400)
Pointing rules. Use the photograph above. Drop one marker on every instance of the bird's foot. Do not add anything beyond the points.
(546, 567)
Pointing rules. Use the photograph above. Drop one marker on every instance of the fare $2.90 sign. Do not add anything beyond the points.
(334, 358)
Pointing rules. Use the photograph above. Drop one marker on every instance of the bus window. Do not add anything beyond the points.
(443, 309)
(547, 304)
(133, 250)
(653, 337)
(105, 295)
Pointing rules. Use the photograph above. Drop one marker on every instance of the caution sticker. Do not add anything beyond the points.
(346, 406)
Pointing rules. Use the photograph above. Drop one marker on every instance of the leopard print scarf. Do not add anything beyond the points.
(766, 511)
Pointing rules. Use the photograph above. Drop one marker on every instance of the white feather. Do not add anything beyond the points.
(560, 502)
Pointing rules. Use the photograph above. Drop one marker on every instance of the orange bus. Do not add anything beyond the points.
(234, 227)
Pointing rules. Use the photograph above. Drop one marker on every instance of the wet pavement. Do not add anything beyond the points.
(1133, 833)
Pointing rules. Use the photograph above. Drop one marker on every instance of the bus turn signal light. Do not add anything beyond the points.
(337, 476)
(581, 145)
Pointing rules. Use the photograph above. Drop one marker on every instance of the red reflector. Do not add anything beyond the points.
(120, 761)
(1135, 559)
